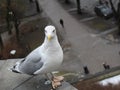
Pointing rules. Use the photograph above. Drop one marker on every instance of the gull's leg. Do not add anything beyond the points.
(56, 81)
(57, 78)
(48, 80)
(51, 81)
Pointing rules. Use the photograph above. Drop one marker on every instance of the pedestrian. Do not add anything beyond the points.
(108, 66)
(62, 22)
(86, 71)
(105, 66)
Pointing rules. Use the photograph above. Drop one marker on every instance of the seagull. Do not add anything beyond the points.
(44, 59)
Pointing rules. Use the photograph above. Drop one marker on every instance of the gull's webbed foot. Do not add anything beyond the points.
(56, 82)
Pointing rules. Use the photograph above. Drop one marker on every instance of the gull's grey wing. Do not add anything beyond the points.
(31, 63)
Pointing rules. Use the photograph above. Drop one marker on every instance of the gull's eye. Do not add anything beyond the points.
(53, 30)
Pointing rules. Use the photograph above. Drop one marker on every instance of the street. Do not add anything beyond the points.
(92, 51)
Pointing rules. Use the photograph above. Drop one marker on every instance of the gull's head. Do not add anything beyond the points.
(50, 32)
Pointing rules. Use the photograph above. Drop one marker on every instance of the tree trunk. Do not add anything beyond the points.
(31, 1)
(1, 42)
(16, 25)
(67, 1)
(119, 28)
(78, 7)
(113, 9)
(118, 12)
(37, 6)
(17, 29)
(8, 24)
(8, 16)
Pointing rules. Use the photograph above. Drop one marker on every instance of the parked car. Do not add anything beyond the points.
(103, 11)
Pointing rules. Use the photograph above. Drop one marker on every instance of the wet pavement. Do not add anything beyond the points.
(97, 24)
(91, 50)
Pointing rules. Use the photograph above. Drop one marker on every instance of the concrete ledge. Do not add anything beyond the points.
(66, 86)
(14, 81)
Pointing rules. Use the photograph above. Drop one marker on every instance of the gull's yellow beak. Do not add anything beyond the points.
(49, 37)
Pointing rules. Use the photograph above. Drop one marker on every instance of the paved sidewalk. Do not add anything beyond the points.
(91, 50)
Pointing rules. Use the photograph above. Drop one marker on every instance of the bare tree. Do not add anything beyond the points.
(31, 1)
(79, 7)
(1, 42)
(113, 9)
(8, 16)
(13, 11)
(37, 6)
(67, 1)
(116, 14)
